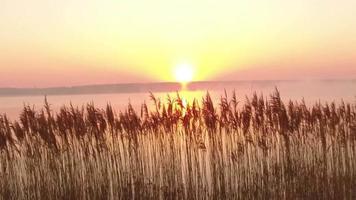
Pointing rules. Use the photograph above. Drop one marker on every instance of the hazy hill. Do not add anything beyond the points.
(140, 87)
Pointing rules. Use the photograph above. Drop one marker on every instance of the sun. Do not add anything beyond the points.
(184, 73)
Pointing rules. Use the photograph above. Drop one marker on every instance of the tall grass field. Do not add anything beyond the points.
(257, 147)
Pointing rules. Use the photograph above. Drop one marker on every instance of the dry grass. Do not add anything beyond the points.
(259, 149)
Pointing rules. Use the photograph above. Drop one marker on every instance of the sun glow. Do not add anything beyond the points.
(184, 73)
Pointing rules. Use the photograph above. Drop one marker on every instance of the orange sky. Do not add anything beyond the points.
(53, 43)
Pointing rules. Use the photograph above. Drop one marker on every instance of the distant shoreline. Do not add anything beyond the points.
(142, 87)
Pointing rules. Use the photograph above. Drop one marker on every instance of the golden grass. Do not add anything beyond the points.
(262, 148)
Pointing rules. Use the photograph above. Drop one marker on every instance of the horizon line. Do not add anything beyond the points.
(176, 82)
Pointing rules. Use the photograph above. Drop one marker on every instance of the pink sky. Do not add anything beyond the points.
(62, 43)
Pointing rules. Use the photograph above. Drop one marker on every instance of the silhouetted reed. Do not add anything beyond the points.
(173, 149)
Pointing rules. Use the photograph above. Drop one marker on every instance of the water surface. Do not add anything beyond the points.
(310, 91)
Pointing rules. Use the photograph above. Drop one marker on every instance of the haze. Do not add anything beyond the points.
(46, 43)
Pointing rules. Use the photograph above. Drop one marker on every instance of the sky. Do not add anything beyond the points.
(45, 43)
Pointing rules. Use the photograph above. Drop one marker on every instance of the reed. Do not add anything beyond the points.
(251, 148)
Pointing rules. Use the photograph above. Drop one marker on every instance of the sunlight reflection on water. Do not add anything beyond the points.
(310, 91)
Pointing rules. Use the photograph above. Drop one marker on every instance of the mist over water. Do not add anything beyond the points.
(310, 91)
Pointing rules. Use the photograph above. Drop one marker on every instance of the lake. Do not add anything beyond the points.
(311, 91)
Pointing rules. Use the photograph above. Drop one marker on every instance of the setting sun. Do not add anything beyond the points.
(184, 73)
